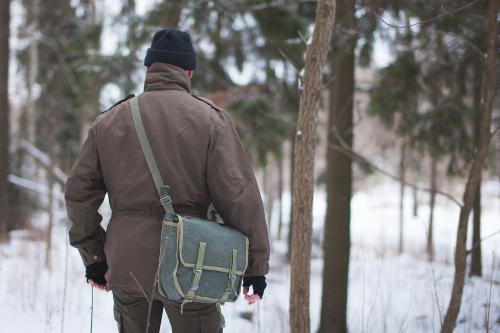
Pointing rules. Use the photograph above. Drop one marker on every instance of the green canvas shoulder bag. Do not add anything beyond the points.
(200, 260)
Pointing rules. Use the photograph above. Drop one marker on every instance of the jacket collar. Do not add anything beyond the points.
(166, 77)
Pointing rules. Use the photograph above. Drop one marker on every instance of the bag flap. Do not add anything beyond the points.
(220, 240)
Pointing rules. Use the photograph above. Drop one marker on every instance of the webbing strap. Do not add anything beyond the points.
(165, 199)
(197, 271)
(230, 288)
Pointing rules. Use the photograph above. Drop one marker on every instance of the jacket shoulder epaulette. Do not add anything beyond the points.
(209, 102)
(99, 116)
(129, 96)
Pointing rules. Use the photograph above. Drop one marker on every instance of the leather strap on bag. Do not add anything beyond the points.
(165, 199)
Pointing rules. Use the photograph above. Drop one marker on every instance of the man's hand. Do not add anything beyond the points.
(97, 275)
(258, 284)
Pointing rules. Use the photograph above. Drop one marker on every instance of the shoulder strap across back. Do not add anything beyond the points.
(165, 199)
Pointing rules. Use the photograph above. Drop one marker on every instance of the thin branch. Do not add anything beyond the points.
(488, 306)
(302, 37)
(140, 286)
(328, 82)
(33, 186)
(297, 71)
(434, 285)
(44, 159)
(346, 150)
(476, 244)
(425, 20)
(468, 43)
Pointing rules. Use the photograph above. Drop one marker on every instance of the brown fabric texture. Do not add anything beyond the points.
(131, 313)
(200, 157)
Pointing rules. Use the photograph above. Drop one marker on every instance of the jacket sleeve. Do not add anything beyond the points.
(235, 193)
(85, 192)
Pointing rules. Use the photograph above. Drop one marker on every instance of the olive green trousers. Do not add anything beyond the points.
(131, 312)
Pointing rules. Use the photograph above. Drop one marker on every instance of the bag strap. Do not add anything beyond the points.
(165, 199)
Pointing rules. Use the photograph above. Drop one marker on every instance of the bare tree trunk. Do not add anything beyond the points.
(292, 173)
(4, 114)
(91, 105)
(475, 171)
(23, 162)
(415, 201)
(303, 180)
(337, 235)
(432, 202)
(50, 184)
(476, 268)
(269, 193)
(50, 213)
(280, 196)
(32, 71)
(402, 180)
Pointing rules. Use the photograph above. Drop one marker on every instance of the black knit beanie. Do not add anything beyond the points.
(171, 46)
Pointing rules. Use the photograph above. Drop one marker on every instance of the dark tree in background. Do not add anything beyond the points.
(4, 113)
(476, 166)
(337, 240)
(476, 266)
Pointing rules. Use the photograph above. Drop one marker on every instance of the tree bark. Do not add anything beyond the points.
(476, 268)
(475, 171)
(432, 201)
(4, 114)
(303, 180)
(402, 180)
(292, 173)
(53, 153)
(32, 71)
(337, 237)
(280, 196)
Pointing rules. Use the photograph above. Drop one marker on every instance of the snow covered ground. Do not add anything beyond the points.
(387, 292)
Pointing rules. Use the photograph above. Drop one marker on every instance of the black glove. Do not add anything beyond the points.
(257, 282)
(96, 272)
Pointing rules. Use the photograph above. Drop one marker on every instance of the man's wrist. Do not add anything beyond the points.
(258, 284)
(96, 272)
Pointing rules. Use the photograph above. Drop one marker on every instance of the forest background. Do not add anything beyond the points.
(403, 230)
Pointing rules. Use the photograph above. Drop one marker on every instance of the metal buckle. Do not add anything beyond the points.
(166, 200)
(231, 276)
(197, 270)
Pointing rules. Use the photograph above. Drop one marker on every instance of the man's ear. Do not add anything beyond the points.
(189, 74)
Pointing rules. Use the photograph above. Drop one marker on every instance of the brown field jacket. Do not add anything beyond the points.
(200, 157)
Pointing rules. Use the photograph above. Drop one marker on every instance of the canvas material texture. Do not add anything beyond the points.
(179, 250)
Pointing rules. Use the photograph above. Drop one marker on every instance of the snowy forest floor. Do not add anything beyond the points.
(387, 292)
